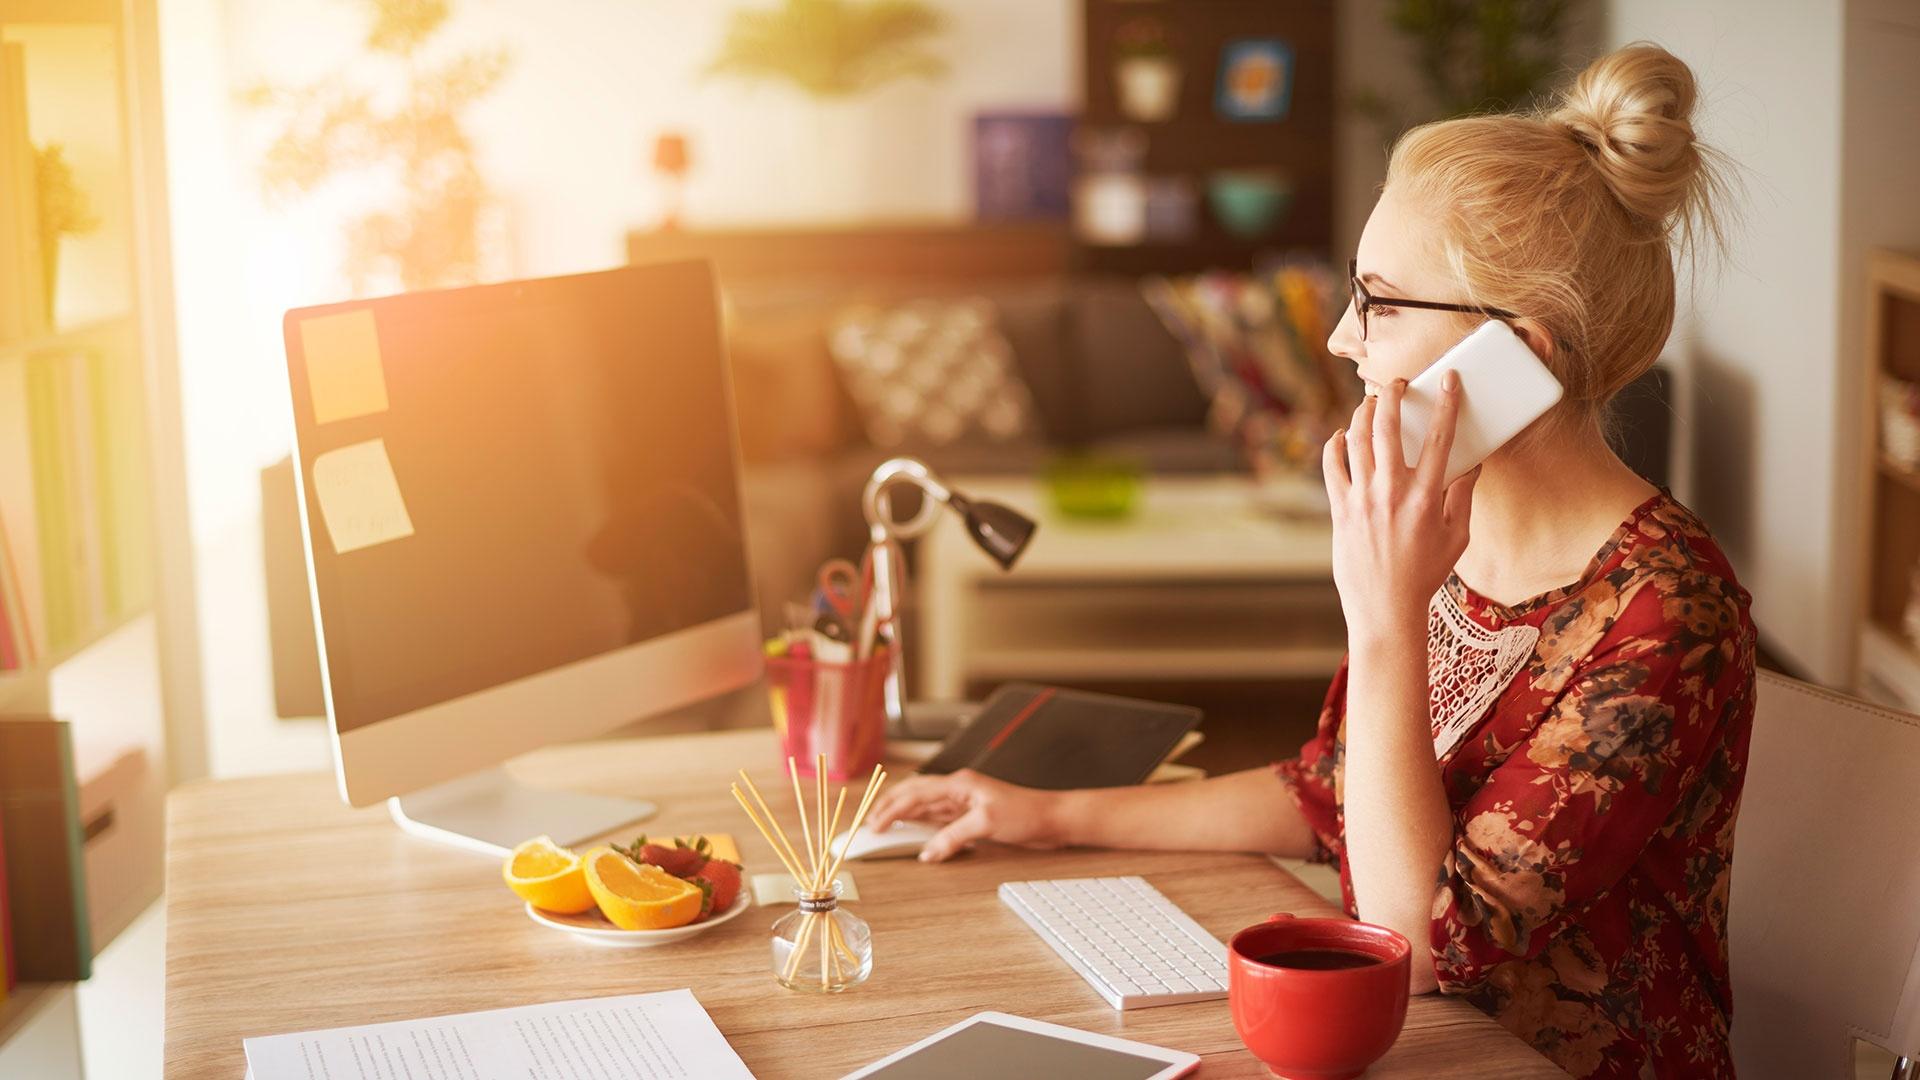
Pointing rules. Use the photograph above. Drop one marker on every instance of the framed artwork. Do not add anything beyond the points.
(1256, 79)
(1022, 165)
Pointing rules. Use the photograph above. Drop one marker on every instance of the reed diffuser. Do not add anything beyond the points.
(817, 946)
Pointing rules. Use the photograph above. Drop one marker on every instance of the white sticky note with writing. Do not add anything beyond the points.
(344, 375)
(360, 497)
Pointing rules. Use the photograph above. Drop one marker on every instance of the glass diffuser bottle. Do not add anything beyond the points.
(820, 946)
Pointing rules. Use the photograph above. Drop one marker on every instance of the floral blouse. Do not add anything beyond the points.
(1583, 902)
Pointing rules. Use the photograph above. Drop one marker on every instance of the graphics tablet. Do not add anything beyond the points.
(1016, 1048)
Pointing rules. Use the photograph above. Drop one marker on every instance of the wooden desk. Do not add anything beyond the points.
(288, 911)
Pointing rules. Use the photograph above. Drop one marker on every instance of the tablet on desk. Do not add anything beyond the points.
(1015, 1048)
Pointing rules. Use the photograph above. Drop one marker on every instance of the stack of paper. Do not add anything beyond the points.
(666, 1035)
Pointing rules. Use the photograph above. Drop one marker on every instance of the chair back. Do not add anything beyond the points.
(1824, 917)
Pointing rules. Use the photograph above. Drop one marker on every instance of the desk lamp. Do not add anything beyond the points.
(999, 530)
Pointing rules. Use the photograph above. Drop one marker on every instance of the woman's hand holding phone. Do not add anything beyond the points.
(1397, 529)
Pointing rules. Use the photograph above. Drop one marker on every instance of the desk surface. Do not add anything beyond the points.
(288, 911)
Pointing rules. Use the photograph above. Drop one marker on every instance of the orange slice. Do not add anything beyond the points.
(636, 896)
(548, 876)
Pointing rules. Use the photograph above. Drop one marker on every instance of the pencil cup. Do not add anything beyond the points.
(819, 946)
(836, 709)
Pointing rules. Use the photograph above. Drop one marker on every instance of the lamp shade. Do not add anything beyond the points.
(1001, 531)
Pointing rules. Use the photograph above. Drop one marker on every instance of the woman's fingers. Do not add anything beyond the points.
(1388, 456)
(912, 797)
(1439, 443)
(1360, 442)
(965, 829)
(1333, 467)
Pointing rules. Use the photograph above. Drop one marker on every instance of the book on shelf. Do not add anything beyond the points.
(16, 631)
(47, 894)
(23, 306)
(81, 491)
(18, 527)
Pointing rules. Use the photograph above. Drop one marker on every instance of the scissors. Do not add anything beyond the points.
(844, 588)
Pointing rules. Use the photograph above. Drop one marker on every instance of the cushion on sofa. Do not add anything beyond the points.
(931, 373)
(1133, 374)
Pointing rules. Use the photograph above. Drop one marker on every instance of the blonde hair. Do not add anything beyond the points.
(1570, 215)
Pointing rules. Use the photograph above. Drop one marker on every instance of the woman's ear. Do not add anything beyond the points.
(1537, 337)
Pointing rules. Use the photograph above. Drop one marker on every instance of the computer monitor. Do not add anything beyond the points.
(523, 525)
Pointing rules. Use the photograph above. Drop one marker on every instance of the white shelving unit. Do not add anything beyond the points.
(91, 467)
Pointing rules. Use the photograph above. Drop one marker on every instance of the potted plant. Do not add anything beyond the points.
(65, 210)
(838, 54)
(1146, 74)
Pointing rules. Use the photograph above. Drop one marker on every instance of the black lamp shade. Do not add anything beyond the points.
(1001, 531)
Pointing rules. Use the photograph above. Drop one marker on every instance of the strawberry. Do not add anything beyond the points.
(679, 860)
(721, 879)
(706, 899)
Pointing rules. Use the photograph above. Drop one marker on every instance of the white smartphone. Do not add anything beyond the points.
(1503, 387)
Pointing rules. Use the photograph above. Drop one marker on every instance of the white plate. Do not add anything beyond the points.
(594, 929)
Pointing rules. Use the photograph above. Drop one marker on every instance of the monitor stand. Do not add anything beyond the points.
(490, 812)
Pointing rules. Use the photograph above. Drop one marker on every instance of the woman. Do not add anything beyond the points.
(1532, 757)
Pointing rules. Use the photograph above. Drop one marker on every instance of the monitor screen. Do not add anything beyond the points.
(504, 480)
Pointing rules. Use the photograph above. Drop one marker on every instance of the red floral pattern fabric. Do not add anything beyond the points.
(1583, 903)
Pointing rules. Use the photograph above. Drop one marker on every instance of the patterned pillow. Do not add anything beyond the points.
(932, 373)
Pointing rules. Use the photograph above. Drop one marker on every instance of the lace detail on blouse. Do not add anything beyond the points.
(1468, 666)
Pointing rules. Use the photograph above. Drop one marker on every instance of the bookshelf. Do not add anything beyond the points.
(1889, 654)
(95, 584)
(1197, 141)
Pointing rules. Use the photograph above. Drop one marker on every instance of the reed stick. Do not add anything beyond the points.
(874, 783)
(831, 830)
(806, 830)
(775, 822)
(800, 942)
(820, 803)
(771, 842)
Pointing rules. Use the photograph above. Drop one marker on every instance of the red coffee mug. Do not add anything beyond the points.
(1308, 1024)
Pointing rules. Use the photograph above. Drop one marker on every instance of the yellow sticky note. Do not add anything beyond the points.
(360, 497)
(344, 374)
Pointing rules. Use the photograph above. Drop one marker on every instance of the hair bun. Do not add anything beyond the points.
(1632, 111)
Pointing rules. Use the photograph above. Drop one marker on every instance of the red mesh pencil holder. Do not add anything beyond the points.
(836, 709)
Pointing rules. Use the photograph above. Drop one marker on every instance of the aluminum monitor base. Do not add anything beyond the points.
(489, 812)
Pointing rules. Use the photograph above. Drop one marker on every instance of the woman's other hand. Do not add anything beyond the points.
(1396, 531)
(972, 807)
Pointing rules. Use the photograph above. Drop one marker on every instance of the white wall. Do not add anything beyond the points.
(1819, 104)
(565, 141)
(1760, 350)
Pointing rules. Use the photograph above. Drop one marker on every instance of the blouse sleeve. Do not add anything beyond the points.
(1564, 817)
(1310, 777)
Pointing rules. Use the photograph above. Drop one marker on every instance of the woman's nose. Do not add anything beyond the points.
(1345, 339)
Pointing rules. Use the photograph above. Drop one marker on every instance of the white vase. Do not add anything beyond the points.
(1148, 87)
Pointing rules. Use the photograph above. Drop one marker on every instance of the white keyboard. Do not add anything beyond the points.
(1130, 943)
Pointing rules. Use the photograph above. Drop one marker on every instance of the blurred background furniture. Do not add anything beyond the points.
(96, 613)
(1822, 957)
(1889, 632)
(1204, 582)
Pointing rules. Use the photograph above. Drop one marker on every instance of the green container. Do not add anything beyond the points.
(1089, 486)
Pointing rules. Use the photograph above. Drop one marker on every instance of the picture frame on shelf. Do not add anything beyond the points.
(1022, 165)
(1256, 80)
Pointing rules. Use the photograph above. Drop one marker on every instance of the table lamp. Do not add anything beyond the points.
(999, 530)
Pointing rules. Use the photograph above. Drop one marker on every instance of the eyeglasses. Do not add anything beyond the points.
(1362, 300)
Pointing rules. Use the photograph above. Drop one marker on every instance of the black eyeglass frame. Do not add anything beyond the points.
(1362, 299)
